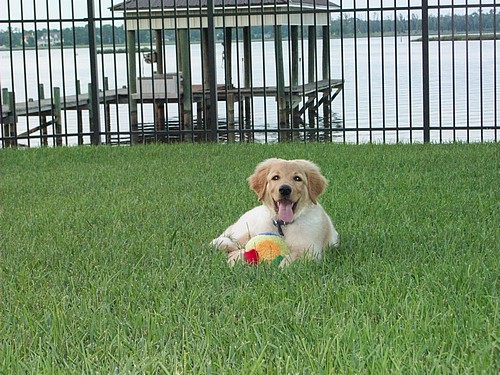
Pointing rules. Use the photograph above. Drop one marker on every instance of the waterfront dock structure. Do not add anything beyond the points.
(231, 16)
(298, 103)
(49, 111)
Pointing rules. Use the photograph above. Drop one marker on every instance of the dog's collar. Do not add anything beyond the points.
(280, 224)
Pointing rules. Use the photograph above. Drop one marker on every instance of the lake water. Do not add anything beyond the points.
(383, 85)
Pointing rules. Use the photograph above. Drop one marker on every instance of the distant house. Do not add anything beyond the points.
(29, 38)
(47, 39)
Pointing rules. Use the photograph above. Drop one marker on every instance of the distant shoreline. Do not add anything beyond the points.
(433, 38)
(460, 37)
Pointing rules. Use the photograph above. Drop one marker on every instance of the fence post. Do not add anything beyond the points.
(95, 126)
(425, 71)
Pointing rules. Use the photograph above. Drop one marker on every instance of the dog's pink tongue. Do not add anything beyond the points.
(285, 210)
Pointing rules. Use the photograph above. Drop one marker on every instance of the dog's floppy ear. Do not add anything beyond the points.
(258, 180)
(316, 182)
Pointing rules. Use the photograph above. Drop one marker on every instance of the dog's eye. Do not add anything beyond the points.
(297, 178)
(276, 178)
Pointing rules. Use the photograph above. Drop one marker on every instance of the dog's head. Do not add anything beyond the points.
(287, 186)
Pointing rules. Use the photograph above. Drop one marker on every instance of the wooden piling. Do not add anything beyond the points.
(295, 75)
(79, 115)
(132, 82)
(10, 124)
(229, 82)
(183, 53)
(89, 95)
(107, 113)
(160, 104)
(206, 83)
(199, 114)
(326, 75)
(56, 116)
(42, 118)
(311, 71)
(283, 124)
(247, 82)
(4, 94)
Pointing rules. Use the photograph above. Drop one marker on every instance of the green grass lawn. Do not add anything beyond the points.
(105, 265)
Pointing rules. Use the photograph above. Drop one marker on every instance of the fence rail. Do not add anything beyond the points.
(143, 71)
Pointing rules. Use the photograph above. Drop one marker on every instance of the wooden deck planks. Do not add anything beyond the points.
(120, 96)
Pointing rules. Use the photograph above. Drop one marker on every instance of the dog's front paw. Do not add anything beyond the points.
(235, 256)
(226, 244)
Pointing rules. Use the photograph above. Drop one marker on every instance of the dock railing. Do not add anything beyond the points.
(114, 72)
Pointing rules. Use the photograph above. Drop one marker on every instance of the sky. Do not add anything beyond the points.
(54, 10)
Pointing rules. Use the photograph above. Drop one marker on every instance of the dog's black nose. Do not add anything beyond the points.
(285, 190)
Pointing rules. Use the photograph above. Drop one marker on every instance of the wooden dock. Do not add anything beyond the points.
(299, 99)
(45, 107)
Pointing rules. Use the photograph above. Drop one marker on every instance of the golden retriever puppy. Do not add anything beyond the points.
(288, 190)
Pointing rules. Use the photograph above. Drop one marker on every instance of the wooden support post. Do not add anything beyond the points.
(247, 64)
(89, 91)
(13, 124)
(283, 123)
(206, 82)
(159, 51)
(10, 126)
(212, 68)
(199, 114)
(311, 70)
(295, 75)
(56, 116)
(1, 111)
(3, 123)
(79, 114)
(228, 58)
(160, 103)
(326, 75)
(43, 118)
(107, 113)
(132, 84)
(183, 56)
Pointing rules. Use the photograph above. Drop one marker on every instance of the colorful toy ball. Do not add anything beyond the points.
(268, 247)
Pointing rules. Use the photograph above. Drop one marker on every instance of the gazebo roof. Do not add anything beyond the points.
(172, 4)
(182, 14)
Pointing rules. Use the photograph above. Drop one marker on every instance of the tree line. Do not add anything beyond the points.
(345, 26)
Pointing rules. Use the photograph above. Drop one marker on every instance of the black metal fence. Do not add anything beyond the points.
(114, 72)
